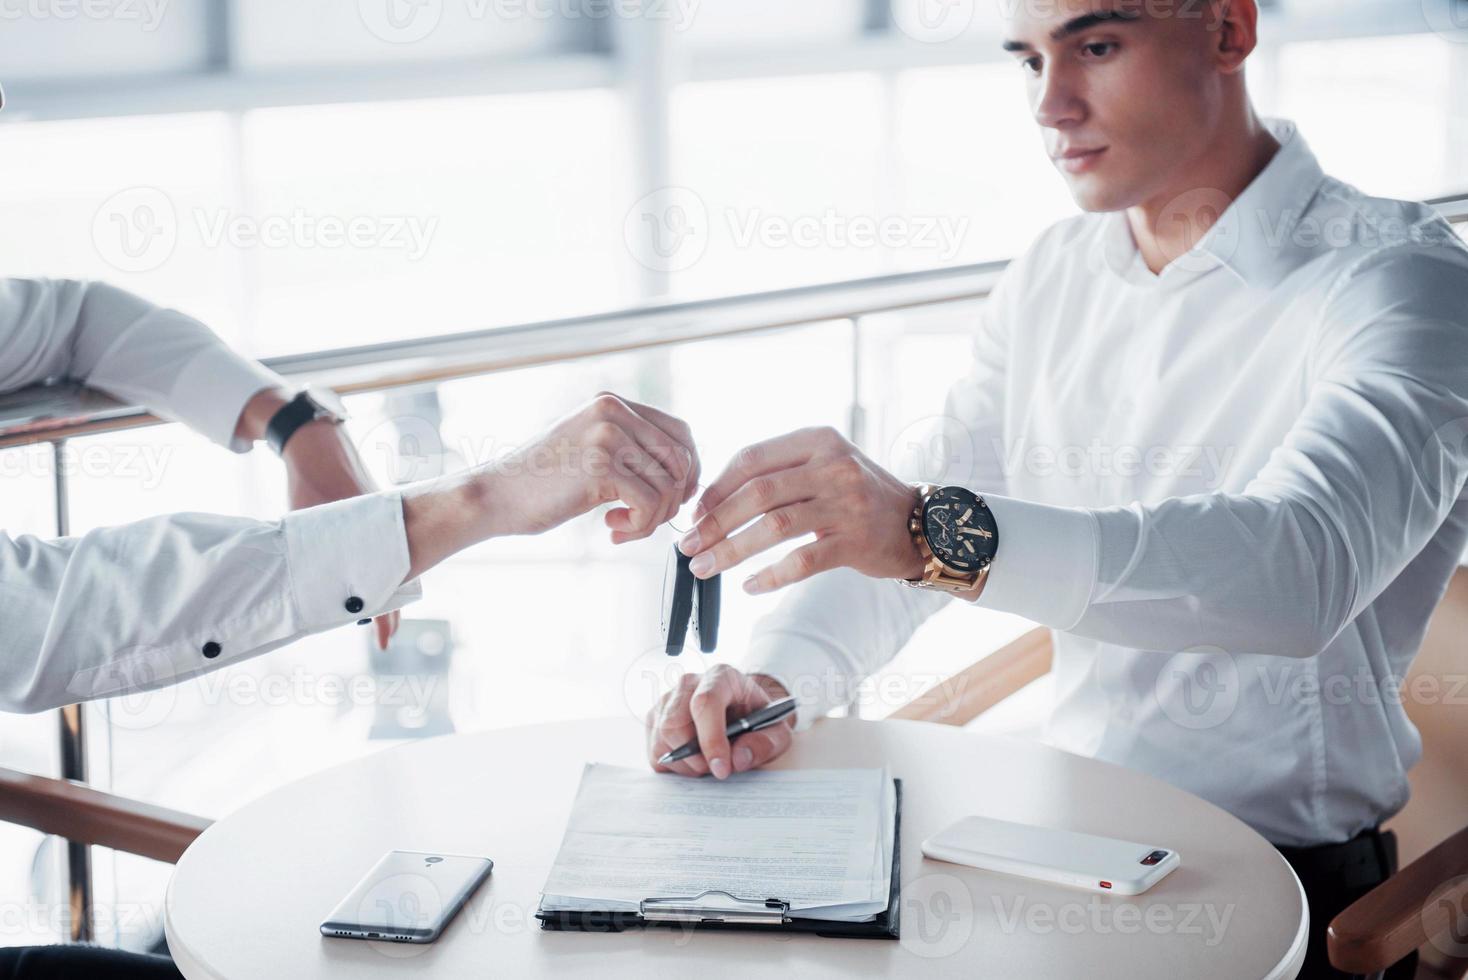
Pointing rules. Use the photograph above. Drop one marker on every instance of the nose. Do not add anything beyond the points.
(1055, 101)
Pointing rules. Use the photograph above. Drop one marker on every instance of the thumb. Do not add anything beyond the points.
(757, 748)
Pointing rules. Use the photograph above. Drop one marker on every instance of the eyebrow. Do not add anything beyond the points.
(1077, 25)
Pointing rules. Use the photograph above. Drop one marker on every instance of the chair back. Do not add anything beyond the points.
(1436, 693)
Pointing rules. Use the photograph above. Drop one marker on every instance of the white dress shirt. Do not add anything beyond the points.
(143, 605)
(1233, 490)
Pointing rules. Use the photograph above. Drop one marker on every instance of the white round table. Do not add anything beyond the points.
(246, 899)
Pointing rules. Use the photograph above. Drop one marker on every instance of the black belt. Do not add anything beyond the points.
(1361, 862)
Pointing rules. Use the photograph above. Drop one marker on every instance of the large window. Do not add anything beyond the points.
(709, 149)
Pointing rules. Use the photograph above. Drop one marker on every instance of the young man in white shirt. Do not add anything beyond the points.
(1250, 382)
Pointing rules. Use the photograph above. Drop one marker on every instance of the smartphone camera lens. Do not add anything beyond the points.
(1154, 858)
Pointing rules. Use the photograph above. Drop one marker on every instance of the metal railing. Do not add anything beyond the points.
(55, 413)
(64, 411)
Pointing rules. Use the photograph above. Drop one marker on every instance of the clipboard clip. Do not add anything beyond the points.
(716, 906)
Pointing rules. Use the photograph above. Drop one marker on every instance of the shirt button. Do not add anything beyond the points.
(212, 649)
(355, 605)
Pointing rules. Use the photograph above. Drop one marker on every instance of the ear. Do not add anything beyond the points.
(1234, 28)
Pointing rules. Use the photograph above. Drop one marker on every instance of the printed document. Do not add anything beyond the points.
(820, 839)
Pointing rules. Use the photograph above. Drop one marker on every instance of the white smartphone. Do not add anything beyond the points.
(1099, 864)
(407, 897)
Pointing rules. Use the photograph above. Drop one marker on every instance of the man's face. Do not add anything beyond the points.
(1126, 92)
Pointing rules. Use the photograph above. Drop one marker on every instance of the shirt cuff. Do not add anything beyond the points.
(804, 668)
(1045, 567)
(348, 560)
(213, 389)
(169, 362)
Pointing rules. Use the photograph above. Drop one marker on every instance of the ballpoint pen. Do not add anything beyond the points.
(770, 714)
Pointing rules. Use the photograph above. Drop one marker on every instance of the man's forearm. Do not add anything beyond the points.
(258, 412)
(447, 515)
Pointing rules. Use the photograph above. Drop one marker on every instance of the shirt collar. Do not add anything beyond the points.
(1254, 237)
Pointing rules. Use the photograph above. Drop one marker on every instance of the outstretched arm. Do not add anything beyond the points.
(148, 604)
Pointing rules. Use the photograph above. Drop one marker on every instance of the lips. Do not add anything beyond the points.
(1077, 160)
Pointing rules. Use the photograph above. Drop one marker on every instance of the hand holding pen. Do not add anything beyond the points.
(694, 718)
(770, 714)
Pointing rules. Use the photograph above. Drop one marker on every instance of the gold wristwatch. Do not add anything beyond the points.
(956, 534)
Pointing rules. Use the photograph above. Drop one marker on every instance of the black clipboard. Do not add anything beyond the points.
(719, 911)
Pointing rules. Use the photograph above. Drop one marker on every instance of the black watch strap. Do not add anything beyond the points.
(291, 416)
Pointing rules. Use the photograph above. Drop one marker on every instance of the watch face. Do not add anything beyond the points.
(960, 529)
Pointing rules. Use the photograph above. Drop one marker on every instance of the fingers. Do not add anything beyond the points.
(700, 707)
(665, 460)
(670, 443)
(760, 458)
(670, 724)
(638, 480)
(800, 564)
(709, 706)
(776, 526)
(384, 627)
(761, 495)
(680, 433)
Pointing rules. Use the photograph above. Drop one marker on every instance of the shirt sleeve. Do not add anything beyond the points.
(142, 354)
(141, 606)
(836, 629)
(1360, 484)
